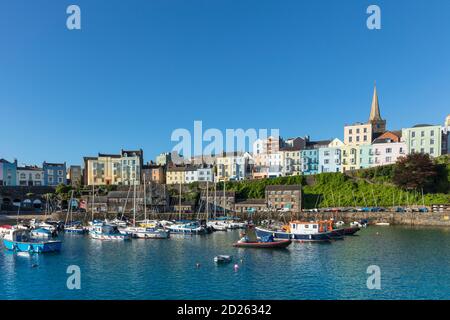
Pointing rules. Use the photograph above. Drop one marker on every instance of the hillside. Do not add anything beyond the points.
(366, 187)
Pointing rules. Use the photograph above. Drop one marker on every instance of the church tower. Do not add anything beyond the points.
(378, 124)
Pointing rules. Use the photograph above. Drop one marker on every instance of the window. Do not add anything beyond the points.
(365, 138)
(422, 133)
(431, 141)
(388, 159)
(388, 150)
(327, 161)
(357, 130)
(350, 131)
(357, 138)
(413, 134)
(349, 139)
(431, 150)
(365, 130)
(432, 133)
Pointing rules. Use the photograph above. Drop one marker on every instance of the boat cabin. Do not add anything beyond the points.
(18, 235)
(300, 227)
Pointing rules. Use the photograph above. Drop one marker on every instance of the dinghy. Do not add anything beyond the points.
(222, 259)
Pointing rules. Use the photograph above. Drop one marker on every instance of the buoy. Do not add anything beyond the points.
(236, 267)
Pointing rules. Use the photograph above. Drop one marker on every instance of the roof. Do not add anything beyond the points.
(54, 164)
(251, 201)
(30, 168)
(5, 161)
(316, 144)
(282, 187)
(423, 125)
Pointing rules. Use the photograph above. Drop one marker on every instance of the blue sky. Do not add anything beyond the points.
(140, 69)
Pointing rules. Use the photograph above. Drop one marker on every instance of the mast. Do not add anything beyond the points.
(207, 199)
(224, 200)
(145, 202)
(215, 204)
(179, 203)
(93, 198)
(134, 204)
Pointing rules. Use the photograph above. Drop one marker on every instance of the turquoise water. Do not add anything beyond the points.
(414, 264)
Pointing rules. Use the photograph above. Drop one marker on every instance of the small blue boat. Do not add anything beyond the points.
(20, 240)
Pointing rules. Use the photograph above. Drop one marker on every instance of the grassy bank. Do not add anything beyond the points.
(367, 187)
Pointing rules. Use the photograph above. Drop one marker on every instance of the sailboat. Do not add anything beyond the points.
(147, 231)
(187, 227)
(71, 226)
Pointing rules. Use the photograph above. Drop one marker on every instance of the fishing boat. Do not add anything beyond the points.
(106, 231)
(222, 259)
(20, 240)
(299, 231)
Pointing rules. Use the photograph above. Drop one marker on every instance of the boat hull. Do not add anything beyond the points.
(281, 235)
(263, 245)
(151, 235)
(104, 236)
(33, 247)
(75, 231)
(351, 231)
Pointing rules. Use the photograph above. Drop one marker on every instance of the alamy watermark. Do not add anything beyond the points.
(374, 20)
(74, 279)
(374, 280)
(73, 21)
(213, 142)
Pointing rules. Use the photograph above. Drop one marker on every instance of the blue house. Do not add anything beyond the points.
(54, 173)
(8, 173)
(310, 156)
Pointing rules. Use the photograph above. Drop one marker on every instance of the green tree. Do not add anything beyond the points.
(416, 171)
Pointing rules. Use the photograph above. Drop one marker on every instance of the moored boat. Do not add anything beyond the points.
(107, 232)
(299, 231)
(20, 240)
(41, 233)
(193, 227)
(222, 259)
(259, 244)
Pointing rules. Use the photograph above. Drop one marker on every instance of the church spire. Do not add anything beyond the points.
(375, 108)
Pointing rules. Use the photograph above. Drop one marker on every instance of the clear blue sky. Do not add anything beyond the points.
(140, 69)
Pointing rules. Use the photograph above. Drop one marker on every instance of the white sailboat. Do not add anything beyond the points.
(147, 231)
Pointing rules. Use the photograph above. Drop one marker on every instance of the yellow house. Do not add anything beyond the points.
(175, 175)
(349, 157)
(114, 169)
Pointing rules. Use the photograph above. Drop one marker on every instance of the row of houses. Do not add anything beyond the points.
(49, 174)
(365, 145)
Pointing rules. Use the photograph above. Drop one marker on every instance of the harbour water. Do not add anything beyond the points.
(414, 264)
